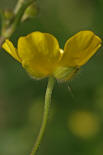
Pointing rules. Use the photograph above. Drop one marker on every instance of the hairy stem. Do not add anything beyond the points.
(48, 94)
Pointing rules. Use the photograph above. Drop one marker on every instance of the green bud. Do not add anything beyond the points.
(31, 11)
(6, 18)
(8, 14)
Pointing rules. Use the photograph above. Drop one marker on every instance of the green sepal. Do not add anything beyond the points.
(65, 73)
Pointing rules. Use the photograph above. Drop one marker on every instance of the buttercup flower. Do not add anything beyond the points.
(40, 54)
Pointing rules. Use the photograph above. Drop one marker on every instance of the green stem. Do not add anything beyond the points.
(20, 13)
(1, 41)
(9, 31)
(48, 94)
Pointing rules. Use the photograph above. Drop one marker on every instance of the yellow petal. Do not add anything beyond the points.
(8, 46)
(80, 48)
(39, 53)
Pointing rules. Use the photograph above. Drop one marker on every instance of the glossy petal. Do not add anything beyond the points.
(80, 48)
(39, 53)
(9, 47)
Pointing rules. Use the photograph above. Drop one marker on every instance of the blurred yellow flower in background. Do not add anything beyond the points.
(40, 54)
(83, 124)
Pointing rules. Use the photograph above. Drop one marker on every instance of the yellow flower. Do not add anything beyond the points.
(40, 54)
(83, 124)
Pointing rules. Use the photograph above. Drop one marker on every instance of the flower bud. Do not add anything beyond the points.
(30, 12)
(8, 14)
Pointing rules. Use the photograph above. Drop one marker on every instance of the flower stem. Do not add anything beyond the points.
(48, 94)
(21, 6)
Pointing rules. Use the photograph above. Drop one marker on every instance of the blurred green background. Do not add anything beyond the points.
(75, 125)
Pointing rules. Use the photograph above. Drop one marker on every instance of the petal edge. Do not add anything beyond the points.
(9, 47)
(80, 48)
